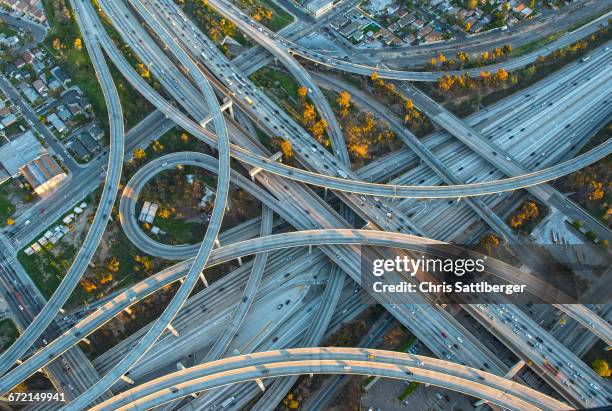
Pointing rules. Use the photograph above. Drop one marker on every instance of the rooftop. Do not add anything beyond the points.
(19, 152)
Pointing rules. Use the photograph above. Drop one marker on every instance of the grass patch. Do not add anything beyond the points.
(276, 82)
(536, 44)
(280, 17)
(181, 231)
(409, 390)
(407, 344)
(7, 31)
(48, 268)
(8, 333)
(7, 208)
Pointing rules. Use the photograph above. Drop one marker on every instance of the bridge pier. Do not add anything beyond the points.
(203, 280)
(275, 157)
(172, 330)
(127, 379)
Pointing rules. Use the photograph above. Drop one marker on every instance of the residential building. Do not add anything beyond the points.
(56, 122)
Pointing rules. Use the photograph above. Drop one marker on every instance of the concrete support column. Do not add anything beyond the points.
(127, 379)
(203, 280)
(172, 330)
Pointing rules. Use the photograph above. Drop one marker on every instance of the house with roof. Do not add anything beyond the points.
(27, 56)
(424, 31)
(433, 37)
(418, 24)
(56, 122)
(78, 148)
(89, 142)
(19, 62)
(40, 87)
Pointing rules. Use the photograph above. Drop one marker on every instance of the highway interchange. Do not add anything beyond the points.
(285, 196)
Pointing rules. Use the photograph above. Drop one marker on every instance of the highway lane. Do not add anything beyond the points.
(128, 215)
(231, 252)
(332, 360)
(313, 337)
(195, 269)
(421, 150)
(386, 164)
(94, 235)
(72, 373)
(292, 197)
(429, 324)
(267, 40)
(321, 398)
(341, 184)
(508, 65)
(237, 318)
(501, 159)
(582, 314)
(131, 192)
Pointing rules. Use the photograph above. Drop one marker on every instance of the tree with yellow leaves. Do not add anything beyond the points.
(184, 137)
(373, 76)
(484, 76)
(318, 129)
(143, 71)
(157, 146)
(408, 104)
(164, 213)
(78, 44)
(441, 58)
(596, 191)
(309, 114)
(302, 92)
(286, 149)
(139, 153)
(344, 102)
(463, 57)
(10, 221)
(501, 75)
(468, 26)
(602, 368)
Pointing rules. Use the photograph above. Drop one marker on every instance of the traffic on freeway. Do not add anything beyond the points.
(289, 219)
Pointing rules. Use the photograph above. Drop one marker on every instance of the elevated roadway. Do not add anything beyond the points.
(337, 260)
(200, 259)
(508, 65)
(231, 252)
(94, 235)
(332, 360)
